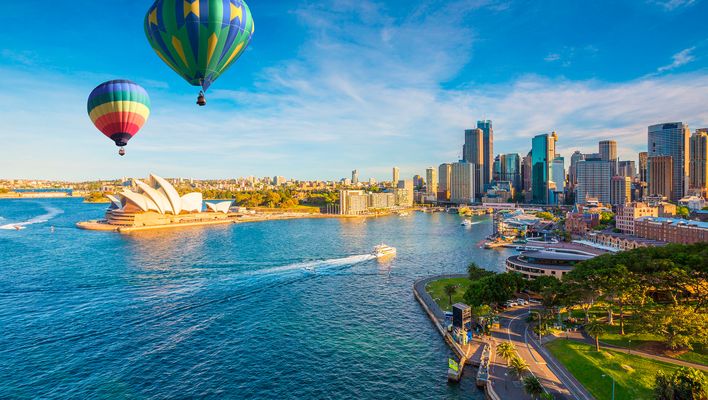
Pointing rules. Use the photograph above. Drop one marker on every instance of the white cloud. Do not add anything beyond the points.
(681, 58)
(670, 5)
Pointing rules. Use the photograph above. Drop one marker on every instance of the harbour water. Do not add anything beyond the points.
(279, 309)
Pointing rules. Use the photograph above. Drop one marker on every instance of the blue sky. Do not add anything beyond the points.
(326, 87)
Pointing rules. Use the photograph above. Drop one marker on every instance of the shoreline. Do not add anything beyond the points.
(99, 225)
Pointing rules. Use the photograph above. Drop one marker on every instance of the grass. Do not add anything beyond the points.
(634, 375)
(298, 208)
(436, 289)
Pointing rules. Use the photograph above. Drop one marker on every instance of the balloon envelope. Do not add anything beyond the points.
(119, 108)
(199, 39)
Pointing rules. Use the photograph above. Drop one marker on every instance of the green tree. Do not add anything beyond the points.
(682, 384)
(532, 386)
(518, 367)
(507, 351)
(475, 272)
(595, 329)
(450, 289)
(545, 215)
(679, 326)
(682, 211)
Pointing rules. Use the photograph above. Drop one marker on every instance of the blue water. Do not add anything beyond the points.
(230, 311)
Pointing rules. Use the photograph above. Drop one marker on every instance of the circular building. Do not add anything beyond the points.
(556, 263)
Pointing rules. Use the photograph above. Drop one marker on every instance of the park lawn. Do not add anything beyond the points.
(634, 375)
(650, 340)
(436, 289)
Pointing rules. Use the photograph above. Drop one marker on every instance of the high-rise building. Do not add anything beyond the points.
(431, 177)
(577, 156)
(497, 168)
(488, 152)
(620, 190)
(608, 150)
(404, 193)
(661, 176)
(473, 153)
(462, 183)
(628, 213)
(558, 173)
(396, 175)
(355, 177)
(643, 158)
(698, 163)
(626, 168)
(543, 151)
(510, 169)
(418, 182)
(671, 139)
(353, 202)
(526, 176)
(444, 175)
(593, 181)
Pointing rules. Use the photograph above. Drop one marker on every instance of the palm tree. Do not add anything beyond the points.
(507, 351)
(518, 367)
(532, 386)
(450, 289)
(595, 329)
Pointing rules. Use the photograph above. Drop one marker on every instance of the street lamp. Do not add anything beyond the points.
(613, 385)
(629, 347)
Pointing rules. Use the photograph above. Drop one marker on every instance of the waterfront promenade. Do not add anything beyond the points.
(513, 327)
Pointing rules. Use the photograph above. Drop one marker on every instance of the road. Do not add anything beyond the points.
(554, 377)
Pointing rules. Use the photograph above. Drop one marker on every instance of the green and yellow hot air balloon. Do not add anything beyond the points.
(199, 39)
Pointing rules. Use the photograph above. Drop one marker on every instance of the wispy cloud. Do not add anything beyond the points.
(681, 58)
(671, 5)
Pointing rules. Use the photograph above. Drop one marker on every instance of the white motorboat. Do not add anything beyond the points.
(467, 222)
(383, 250)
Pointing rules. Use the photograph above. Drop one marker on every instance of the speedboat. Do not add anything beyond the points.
(467, 222)
(383, 250)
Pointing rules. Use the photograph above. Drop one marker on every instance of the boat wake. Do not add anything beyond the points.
(51, 212)
(316, 265)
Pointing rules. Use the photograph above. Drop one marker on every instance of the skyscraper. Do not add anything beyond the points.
(527, 176)
(593, 181)
(473, 153)
(543, 151)
(620, 190)
(355, 177)
(462, 183)
(608, 150)
(395, 175)
(698, 162)
(577, 156)
(404, 193)
(643, 156)
(418, 182)
(661, 176)
(497, 168)
(510, 165)
(488, 152)
(671, 139)
(558, 173)
(431, 178)
(626, 168)
(444, 175)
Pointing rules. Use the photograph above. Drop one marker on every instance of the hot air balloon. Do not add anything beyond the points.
(119, 108)
(199, 39)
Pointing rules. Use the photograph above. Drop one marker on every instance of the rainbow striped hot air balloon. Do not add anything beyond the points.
(199, 39)
(119, 108)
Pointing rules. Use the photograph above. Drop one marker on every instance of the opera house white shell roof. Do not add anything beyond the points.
(160, 196)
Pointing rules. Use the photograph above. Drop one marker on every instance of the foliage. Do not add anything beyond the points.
(96, 197)
(518, 367)
(450, 289)
(532, 386)
(682, 384)
(494, 289)
(680, 326)
(507, 351)
(476, 272)
(545, 215)
(607, 217)
(682, 211)
(437, 292)
(595, 329)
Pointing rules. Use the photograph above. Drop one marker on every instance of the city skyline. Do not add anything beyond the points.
(292, 105)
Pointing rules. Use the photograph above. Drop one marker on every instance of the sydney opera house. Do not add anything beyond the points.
(156, 202)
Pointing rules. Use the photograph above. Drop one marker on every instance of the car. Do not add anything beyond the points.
(521, 301)
(511, 303)
(534, 301)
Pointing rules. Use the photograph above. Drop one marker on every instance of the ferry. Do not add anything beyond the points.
(383, 250)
